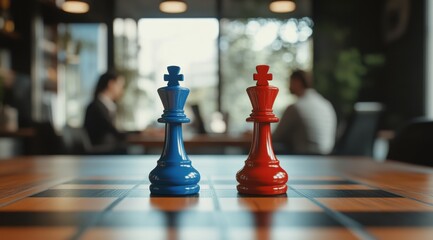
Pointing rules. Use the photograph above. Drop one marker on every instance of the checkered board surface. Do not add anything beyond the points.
(122, 208)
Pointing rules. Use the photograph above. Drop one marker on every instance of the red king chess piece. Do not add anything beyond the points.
(262, 174)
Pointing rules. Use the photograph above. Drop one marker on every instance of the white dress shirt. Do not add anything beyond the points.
(308, 126)
(109, 104)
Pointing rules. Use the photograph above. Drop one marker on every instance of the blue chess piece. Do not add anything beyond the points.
(174, 174)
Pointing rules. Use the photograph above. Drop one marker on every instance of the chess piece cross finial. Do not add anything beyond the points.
(173, 77)
(262, 76)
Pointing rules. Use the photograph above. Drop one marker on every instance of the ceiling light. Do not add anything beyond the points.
(75, 6)
(173, 6)
(282, 6)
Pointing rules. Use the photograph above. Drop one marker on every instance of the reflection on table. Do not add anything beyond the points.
(13, 142)
(19, 133)
(108, 197)
(196, 142)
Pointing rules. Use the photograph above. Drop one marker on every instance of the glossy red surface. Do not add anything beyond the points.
(262, 174)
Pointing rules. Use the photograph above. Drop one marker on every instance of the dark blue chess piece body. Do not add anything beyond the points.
(174, 174)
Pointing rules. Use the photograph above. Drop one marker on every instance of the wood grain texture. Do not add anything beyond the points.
(107, 197)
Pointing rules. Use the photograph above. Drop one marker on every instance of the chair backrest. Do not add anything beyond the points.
(75, 140)
(198, 120)
(359, 135)
(46, 140)
(413, 143)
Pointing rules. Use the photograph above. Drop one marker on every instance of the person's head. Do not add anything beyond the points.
(111, 85)
(299, 82)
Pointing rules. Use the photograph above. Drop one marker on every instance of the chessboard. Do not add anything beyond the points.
(315, 207)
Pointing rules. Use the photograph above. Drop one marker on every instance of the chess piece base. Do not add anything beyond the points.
(174, 174)
(174, 178)
(262, 190)
(262, 174)
(174, 190)
(262, 178)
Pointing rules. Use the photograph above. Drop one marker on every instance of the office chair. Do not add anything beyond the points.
(413, 143)
(75, 140)
(359, 136)
(198, 120)
(46, 141)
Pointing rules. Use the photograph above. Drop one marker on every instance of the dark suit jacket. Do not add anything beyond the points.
(100, 126)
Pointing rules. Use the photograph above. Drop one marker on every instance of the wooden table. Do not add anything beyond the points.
(107, 197)
(19, 133)
(16, 142)
(197, 143)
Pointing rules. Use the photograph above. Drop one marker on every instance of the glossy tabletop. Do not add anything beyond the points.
(107, 197)
(19, 133)
(194, 141)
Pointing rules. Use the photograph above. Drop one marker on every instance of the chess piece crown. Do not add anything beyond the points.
(262, 96)
(173, 97)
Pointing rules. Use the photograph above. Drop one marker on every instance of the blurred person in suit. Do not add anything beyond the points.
(99, 121)
(309, 125)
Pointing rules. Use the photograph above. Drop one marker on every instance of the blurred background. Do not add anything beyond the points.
(358, 51)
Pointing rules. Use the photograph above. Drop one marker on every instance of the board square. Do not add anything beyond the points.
(116, 177)
(223, 193)
(401, 233)
(267, 204)
(280, 219)
(225, 186)
(336, 187)
(130, 233)
(374, 204)
(331, 193)
(326, 233)
(232, 182)
(324, 178)
(142, 193)
(332, 181)
(59, 204)
(46, 219)
(195, 219)
(92, 186)
(87, 193)
(222, 177)
(139, 193)
(104, 181)
(146, 186)
(124, 233)
(36, 233)
(165, 204)
(393, 219)
(320, 182)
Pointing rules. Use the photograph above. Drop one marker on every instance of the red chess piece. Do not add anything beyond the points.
(262, 174)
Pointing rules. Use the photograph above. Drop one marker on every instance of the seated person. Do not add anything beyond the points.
(99, 121)
(309, 125)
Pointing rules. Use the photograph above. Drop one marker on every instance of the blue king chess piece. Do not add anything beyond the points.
(174, 174)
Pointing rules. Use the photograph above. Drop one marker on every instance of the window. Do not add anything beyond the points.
(143, 50)
(188, 43)
(71, 71)
(282, 44)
